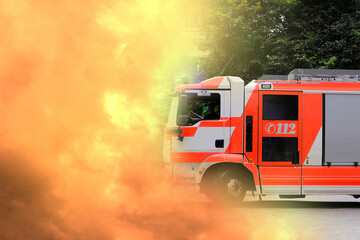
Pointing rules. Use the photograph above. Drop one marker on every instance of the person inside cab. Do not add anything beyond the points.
(209, 112)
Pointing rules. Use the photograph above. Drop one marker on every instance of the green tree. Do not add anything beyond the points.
(248, 38)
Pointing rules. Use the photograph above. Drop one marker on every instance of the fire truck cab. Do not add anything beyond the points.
(291, 136)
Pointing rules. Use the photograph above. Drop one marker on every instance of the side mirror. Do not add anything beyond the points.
(182, 119)
(183, 102)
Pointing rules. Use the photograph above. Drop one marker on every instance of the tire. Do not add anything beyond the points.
(227, 187)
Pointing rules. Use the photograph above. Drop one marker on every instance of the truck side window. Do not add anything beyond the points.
(203, 107)
(280, 107)
(279, 149)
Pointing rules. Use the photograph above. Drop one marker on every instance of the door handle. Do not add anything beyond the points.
(296, 157)
(219, 143)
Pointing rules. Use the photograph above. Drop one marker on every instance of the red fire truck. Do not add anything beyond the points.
(292, 136)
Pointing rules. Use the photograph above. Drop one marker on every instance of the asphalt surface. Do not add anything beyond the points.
(329, 217)
(317, 217)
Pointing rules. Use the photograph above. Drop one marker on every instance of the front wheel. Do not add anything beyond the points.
(227, 186)
(235, 188)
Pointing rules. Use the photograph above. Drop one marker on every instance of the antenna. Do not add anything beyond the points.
(226, 65)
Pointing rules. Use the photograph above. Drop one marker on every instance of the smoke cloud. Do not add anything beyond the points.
(80, 129)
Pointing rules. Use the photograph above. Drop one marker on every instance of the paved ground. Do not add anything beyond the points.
(326, 217)
(317, 217)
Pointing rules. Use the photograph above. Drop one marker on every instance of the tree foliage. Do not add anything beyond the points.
(248, 38)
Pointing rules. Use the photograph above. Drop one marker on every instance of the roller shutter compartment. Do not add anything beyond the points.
(342, 129)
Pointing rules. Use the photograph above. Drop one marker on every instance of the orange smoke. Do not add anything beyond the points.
(80, 130)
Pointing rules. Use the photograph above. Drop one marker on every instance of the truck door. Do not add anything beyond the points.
(207, 131)
(280, 124)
